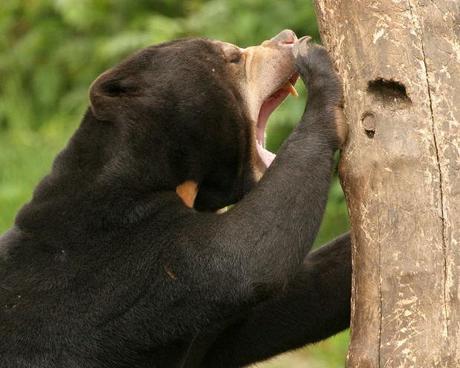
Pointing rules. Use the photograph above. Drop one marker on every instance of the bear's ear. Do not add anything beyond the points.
(109, 93)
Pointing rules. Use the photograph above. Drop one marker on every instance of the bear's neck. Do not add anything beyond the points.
(82, 192)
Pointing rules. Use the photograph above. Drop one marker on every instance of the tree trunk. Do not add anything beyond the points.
(400, 63)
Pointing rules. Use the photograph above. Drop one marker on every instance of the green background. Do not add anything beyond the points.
(50, 52)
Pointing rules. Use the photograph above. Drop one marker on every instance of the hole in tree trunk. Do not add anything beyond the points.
(389, 92)
(368, 122)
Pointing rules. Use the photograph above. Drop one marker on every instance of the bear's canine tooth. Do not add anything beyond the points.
(291, 89)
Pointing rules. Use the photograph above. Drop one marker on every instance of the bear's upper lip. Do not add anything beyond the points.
(268, 106)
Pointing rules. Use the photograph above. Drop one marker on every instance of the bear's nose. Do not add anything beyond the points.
(286, 37)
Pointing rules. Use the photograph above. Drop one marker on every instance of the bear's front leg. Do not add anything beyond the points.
(272, 229)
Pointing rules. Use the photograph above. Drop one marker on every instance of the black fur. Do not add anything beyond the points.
(106, 267)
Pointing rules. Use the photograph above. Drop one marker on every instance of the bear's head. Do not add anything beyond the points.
(190, 115)
(193, 113)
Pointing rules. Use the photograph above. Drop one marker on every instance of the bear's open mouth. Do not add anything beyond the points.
(268, 106)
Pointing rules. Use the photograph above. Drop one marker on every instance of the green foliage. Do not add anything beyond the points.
(51, 51)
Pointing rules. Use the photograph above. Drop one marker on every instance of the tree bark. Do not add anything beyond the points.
(400, 63)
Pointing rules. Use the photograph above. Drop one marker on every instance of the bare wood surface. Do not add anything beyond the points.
(400, 63)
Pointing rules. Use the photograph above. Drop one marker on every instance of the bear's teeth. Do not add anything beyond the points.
(291, 89)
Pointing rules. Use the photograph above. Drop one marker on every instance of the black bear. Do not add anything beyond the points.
(122, 259)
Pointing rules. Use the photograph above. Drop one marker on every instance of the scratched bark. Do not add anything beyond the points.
(400, 62)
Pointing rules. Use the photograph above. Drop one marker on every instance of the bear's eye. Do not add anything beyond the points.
(235, 57)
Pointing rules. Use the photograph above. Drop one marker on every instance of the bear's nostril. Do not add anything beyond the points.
(286, 37)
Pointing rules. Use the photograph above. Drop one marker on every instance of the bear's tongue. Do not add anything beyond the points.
(266, 156)
(269, 105)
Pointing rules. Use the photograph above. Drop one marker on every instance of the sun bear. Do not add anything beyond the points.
(122, 257)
